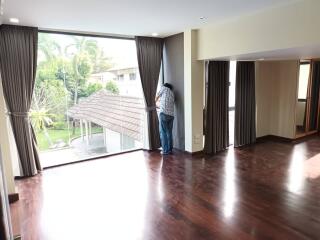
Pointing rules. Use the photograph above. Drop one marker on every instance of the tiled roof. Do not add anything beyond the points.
(118, 113)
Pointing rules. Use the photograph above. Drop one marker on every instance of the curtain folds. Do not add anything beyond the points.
(149, 53)
(245, 108)
(217, 107)
(18, 62)
(315, 88)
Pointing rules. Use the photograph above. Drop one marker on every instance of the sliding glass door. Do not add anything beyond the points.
(88, 98)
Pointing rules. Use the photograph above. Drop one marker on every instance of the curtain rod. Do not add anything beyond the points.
(85, 34)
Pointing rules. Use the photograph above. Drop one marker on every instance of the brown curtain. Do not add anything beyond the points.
(217, 106)
(149, 53)
(18, 62)
(315, 88)
(245, 108)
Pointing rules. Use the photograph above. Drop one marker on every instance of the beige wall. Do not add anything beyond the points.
(281, 28)
(8, 146)
(276, 97)
(193, 93)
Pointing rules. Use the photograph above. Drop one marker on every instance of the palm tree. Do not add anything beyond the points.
(40, 118)
(80, 50)
(48, 46)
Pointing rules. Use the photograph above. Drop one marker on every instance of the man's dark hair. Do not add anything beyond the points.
(168, 85)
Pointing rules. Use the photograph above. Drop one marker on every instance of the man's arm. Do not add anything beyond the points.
(158, 95)
(157, 98)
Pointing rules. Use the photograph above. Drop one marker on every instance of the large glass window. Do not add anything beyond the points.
(232, 99)
(80, 108)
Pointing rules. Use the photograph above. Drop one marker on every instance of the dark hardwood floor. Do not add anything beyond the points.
(265, 191)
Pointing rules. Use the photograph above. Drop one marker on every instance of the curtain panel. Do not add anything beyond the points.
(217, 107)
(314, 92)
(245, 107)
(149, 53)
(18, 62)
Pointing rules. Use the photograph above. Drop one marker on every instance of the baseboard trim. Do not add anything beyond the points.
(305, 137)
(13, 197)
(193, 153)
(274, 138)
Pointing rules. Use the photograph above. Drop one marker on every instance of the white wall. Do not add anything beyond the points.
(193, 93)
(276, 97)
(173, 66)
(290, 26)
(8, 146)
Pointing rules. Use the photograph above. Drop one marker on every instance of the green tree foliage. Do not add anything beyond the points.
(72, 66)
(101, 63)
(90, 89)
(83, 52)
(112, 87)
(48, 47)
(62, 77)
(41, 119)
(50, 95)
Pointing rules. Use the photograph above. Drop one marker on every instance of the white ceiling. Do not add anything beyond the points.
(129, 17)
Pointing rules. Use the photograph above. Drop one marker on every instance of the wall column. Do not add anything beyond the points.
(193, 93)
(6, 142)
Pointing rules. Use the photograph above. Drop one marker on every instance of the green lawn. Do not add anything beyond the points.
(56, 135)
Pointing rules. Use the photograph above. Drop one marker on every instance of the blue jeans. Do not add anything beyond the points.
(166, 125)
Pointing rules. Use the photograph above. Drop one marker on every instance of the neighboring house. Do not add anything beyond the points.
(122, 119)
(126, 77)
(102, 78)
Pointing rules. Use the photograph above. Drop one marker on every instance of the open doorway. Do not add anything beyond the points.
(88, 98)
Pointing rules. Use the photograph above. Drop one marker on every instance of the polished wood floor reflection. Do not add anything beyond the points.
(266, 191)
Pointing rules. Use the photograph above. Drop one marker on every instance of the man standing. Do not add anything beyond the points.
(166, 97)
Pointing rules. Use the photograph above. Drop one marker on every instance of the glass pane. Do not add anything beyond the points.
(231, 127)
(232, 99)
(232, 82)
(303, 81)
(88, 98)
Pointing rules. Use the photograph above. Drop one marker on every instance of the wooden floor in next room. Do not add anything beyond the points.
(269, 190)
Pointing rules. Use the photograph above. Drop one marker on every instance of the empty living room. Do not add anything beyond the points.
(159, 120)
